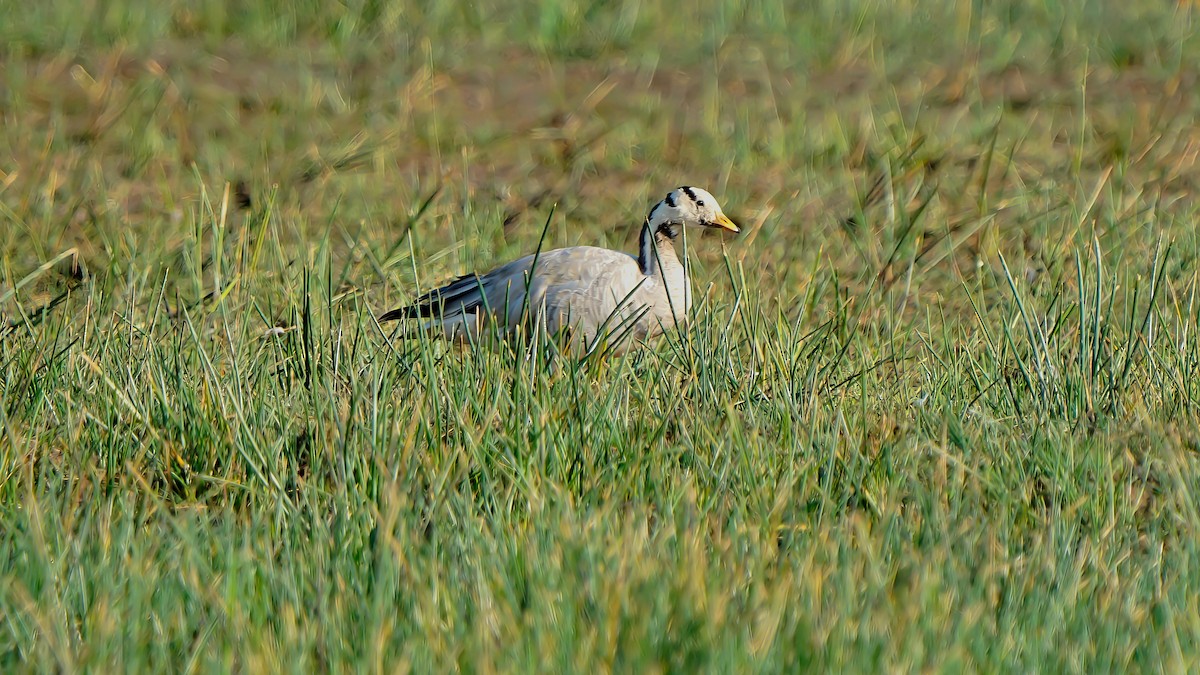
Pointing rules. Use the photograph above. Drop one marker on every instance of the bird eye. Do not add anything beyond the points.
(700, 203)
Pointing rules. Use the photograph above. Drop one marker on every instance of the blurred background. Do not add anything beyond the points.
(1002, 126)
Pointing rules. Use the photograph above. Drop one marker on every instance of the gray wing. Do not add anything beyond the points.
(592, 291)
(468, 294)
(586, 289)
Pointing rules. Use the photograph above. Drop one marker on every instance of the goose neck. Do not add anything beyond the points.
(656, 247)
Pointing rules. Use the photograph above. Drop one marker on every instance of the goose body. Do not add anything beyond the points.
(588, 295)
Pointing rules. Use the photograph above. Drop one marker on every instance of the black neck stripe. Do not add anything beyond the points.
(670, 200)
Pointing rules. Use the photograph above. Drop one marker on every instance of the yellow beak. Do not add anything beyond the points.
(724, 222)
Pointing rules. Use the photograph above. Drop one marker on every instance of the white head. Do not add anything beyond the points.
(688, 206)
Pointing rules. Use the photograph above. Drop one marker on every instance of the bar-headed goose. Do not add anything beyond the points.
(596, 297)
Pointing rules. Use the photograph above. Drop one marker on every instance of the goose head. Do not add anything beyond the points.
(690, 206)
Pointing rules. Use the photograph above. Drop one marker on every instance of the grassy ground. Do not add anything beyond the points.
(937, 409)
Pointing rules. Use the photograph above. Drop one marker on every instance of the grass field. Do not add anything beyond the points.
(937, 409)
